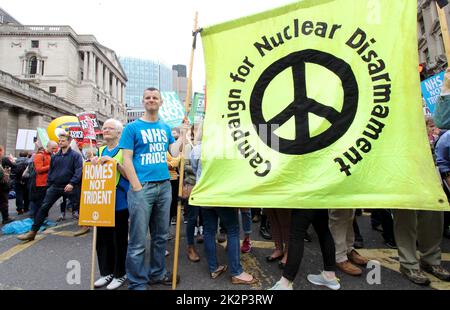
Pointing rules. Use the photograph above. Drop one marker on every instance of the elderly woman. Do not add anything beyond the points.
(112, 242)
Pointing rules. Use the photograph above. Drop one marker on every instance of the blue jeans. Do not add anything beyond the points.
(229, 218)
(246, 217)
(151, 205)
(54, 192)
(192, 214)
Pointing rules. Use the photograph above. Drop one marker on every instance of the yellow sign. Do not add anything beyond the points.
(98, 195)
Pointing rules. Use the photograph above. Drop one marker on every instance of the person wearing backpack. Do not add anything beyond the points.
(38, 173)
(20, 184)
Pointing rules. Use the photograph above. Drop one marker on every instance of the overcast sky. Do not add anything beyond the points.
(144, 29)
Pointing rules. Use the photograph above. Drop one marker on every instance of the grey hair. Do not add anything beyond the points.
(117, 124)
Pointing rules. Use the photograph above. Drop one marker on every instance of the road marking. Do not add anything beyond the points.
(25, 245)
(388, 258)
(18, 248)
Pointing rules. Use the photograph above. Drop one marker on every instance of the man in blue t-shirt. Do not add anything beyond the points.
(145, 143)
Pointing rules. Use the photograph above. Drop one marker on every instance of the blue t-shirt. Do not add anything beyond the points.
(149, 142)
(123, 186)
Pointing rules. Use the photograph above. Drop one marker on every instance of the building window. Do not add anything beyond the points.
(32, 65)
(42, 67)
(98, 98)
(52, 89)
(34, 44)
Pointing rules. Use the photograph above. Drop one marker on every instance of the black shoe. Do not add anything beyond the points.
(7, 221)
(264, 232)
(167, 280)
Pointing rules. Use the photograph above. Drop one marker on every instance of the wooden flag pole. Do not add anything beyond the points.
(444, 30)
(180, 186)
(94, 243)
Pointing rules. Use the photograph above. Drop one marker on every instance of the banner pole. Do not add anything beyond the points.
(181, 178)
(94, 244)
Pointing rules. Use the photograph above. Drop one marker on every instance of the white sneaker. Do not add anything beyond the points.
(320, 279)
(116, 283)
(279, 287)
(103, 281)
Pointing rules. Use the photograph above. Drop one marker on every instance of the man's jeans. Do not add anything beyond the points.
(246, 217)
(192, 214)
(149, 205)
(229, 218)
(52, 195)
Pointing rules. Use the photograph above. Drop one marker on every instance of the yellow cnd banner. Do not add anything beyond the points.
(98, 195)
(317, 105)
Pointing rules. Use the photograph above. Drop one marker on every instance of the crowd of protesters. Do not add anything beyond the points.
(147, 197)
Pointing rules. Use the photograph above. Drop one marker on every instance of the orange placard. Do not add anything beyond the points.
(98, 195)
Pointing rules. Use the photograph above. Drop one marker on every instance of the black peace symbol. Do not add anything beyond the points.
(302, 105)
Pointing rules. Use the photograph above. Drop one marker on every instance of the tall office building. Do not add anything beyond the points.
(74, 67)
(143, 74)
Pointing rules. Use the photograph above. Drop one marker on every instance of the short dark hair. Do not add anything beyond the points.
(23, 154)
(152, 89)
(65, 135)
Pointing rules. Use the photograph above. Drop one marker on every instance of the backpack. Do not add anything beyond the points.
(30, 174)
(19, 171)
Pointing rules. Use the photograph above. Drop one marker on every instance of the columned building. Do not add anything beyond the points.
(24, 106)
(431, 44)
(76, 68)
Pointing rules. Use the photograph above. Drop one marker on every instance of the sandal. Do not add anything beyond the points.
(221, 269)
(236, 280)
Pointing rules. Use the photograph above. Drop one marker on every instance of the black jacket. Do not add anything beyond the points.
(65, 169)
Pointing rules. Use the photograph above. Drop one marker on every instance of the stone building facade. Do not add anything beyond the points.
(431, 44)
(76, 68)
